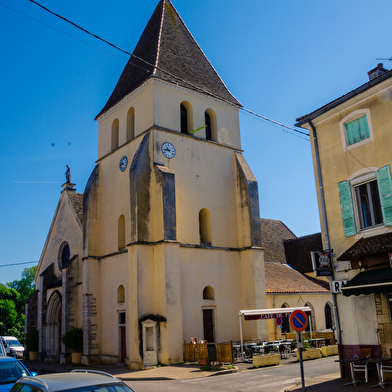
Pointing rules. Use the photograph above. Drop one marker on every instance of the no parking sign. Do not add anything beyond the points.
(299, 320)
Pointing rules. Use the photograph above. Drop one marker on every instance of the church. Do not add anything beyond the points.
(165, 242)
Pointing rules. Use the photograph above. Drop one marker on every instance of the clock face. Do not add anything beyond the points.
(123, 163)
(168, 150)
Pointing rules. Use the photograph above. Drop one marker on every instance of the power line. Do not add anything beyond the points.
(21, 263)
(162, 70)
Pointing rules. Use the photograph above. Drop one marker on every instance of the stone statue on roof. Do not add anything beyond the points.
(68, 175)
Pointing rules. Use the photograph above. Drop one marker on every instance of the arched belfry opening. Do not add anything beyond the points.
(205, 226)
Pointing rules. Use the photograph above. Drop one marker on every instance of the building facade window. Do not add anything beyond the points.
(285, 320)
(184, 119)
(208, 293)
(64, 255)
(120, 295)
(356, 129)
(368, 204)
(311, 319)
(328, 316)
(205, 226)
(210, 124)
(366, 201)
(115, 131)
(130, 124)
(121, 232)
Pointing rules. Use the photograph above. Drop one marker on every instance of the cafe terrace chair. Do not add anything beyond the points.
(360, 368)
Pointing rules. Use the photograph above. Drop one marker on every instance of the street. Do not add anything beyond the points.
(271, 379)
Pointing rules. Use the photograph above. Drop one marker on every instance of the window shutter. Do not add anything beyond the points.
(346, 205)
(357, 130)
(385, 190)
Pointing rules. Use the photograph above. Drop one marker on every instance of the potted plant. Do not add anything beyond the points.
(32, 344)
(73, 340)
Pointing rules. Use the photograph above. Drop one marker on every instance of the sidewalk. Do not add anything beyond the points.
(175, 372)
(331, 383)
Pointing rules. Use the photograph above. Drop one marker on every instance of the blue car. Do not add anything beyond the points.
(11, 370)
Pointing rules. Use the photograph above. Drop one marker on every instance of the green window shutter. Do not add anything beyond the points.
(346, 205)
(385, 190)
(357, 130)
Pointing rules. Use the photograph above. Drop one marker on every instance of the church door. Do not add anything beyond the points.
(208, 325)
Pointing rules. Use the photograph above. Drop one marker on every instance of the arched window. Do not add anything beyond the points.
(208, 126)
(115, 129)
(205, 226)
(130, 124)
(210, 123)
(64, 255)
(328, 316)
(186, 117)
(311, 319)
(120, 294)
(121, 232)
(285, 320)
(208, 293)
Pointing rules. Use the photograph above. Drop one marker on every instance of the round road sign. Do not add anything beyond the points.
(279, 321)
(299, 320)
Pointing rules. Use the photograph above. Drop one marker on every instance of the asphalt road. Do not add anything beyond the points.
(271, 379)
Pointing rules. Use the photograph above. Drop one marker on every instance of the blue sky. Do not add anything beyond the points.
(281, 59)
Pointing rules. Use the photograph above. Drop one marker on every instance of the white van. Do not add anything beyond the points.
(12, 346)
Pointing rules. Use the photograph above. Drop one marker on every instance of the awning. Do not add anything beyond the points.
(369, 282)
(266, 314)
(368, 247)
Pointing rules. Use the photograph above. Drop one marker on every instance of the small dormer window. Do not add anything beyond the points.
(356, 129)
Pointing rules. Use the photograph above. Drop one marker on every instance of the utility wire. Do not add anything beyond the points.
(13, 264)
(160, 69)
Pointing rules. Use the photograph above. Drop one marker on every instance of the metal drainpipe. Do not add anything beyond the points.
(326, 232)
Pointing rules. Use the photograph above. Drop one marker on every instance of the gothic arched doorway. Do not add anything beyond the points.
(53, 326)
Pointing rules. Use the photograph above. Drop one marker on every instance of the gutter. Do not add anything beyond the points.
(326, 231)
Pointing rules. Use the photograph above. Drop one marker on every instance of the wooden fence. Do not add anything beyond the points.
(196, 351)
(315, 335)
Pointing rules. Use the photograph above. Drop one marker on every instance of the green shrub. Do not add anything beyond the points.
(73, 339)
(32, 340)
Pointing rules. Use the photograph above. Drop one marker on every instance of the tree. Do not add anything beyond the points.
(13, 297)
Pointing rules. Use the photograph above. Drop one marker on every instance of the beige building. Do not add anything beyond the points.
(351, 141)
(287, 283)
(164, 244)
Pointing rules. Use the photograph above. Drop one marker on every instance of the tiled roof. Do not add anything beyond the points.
(77, 203)
(273, 233)
(281, 278)
(303, 119)
(167, 44)
(368, 246)
(298, 251)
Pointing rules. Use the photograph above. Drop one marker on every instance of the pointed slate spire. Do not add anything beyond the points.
(167, 50)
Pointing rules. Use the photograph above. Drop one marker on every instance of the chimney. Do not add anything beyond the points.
(376, 72)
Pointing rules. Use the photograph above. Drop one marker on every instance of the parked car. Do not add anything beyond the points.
(2, 349)
(12, 370)
(77, 380)
(12, 346)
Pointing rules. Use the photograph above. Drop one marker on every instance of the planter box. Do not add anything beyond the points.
(329, 350)
(33, 355)
(76, 358)
(266, 360)
(203, 362)
(310, 353)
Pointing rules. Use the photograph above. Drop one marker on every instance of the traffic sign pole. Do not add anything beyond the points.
(300, 345)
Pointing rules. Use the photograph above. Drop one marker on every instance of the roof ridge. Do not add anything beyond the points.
(159, 38)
